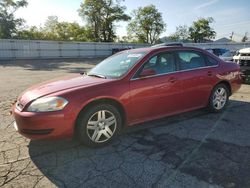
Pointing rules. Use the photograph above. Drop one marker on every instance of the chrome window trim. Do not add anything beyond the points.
(213, 66)
(174, 51)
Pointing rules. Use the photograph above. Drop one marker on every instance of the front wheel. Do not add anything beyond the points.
(98, 125)
(219, 98)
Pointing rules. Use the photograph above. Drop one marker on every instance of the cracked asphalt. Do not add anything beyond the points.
(195, 149)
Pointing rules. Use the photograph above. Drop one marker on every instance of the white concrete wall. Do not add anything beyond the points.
(36, 49)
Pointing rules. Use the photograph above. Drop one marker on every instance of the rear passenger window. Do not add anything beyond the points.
(211, 61)
(190, 60)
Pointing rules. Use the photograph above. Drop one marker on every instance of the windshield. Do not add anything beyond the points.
(228, 54)
(116, 66)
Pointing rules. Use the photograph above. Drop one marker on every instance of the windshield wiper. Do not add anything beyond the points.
(97, 75)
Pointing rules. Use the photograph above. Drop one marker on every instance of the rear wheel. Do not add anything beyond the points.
(98, 125)
(219, 98)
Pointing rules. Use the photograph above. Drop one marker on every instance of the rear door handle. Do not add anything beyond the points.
(210, 73)
(172, 80)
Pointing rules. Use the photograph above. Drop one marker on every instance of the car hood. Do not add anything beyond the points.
(57, 85)
(229, 58)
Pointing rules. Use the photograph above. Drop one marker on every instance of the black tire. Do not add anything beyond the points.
(215, 107)
(84, 134)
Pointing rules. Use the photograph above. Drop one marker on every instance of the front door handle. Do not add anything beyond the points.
(173, 79)
(210, 73)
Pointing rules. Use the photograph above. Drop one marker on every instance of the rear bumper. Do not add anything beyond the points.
(47, 125)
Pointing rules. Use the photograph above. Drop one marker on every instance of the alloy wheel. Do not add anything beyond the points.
(219, 98)
(101, 126)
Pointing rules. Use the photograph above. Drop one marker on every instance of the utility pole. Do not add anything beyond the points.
(231, 36)
(245, 38)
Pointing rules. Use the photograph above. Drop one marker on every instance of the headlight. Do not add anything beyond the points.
(47, 104)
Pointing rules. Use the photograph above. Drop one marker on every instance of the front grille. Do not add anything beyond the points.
(245, 54)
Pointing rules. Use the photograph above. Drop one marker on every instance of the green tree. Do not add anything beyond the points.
(147, 24)
(32, 33)
(55, 30)
(8, 22)
(181, 33)
(51, 23)
(200, 31)
(69, 31)
(101, 16)
(49, 29)
(173, 37)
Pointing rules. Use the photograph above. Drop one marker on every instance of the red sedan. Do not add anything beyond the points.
(125, 89)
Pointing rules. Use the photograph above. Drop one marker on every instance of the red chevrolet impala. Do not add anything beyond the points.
(125, 89)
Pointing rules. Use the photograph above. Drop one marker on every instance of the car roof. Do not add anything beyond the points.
(161, 48)
(168, 44)
(244, 50)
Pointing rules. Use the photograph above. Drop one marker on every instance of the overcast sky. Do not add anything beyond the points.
(229, 15)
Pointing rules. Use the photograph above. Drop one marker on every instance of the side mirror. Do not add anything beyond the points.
(147, 72)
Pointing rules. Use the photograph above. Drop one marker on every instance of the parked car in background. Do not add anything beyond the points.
(126, 89)
(243, 57)
(217, 51)
(228, 56)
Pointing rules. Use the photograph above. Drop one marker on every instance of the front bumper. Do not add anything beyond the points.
(44, 125)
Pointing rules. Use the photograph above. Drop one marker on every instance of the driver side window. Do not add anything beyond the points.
(151, 62)
(161, 63)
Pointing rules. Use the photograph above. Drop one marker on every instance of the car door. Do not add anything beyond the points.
(156, 95)
(195, 76)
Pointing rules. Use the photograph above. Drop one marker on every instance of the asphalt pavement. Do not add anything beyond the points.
(194, 149)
